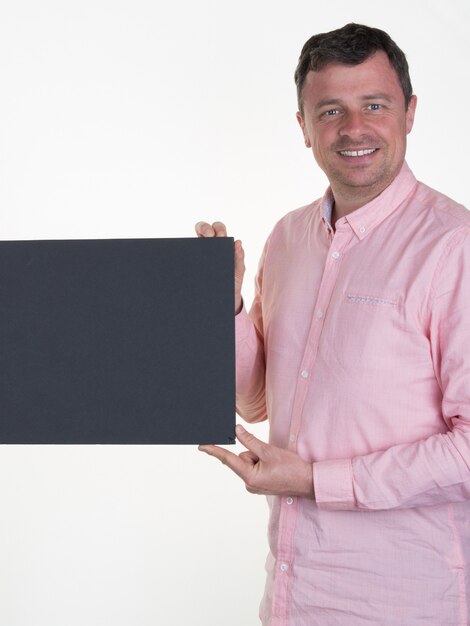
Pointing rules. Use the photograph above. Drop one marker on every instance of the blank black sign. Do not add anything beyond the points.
(117, 341)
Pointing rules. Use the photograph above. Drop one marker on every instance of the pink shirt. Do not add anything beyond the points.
(357, 349)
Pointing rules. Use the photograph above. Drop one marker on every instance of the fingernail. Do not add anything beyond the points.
(239, 429)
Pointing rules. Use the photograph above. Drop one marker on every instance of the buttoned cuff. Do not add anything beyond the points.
(243, 325)
(333, 485)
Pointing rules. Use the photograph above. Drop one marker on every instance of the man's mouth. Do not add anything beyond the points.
(357, 153)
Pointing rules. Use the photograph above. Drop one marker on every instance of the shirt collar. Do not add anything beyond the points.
(327, 207)
(367, 217)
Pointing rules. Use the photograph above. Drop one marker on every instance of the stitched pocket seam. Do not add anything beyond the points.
(374, 300)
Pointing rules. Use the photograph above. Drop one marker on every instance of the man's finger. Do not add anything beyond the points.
(203, 229)
(250, 441)
(239, 261)
(219, 229)
(249, 456)
(231, 460)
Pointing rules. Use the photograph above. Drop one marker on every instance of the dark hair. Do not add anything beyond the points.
(352, 44)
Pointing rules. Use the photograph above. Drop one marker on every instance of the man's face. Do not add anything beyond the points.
(355, 121)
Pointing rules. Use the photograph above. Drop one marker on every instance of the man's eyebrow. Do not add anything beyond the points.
(327, 103)
(378, 96)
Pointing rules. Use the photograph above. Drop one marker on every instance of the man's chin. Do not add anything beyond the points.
(362, 178)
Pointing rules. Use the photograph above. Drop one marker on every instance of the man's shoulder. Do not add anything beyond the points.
(300, 217)
(293, 227)
(442, 210)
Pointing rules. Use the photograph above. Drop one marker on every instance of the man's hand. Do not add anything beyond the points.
(217, 229)
(266, 469)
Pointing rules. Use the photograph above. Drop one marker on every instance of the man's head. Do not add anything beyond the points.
(355, 109)
(350, 45)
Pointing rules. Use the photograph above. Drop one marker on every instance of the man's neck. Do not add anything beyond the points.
(344, 206)
(347, 199)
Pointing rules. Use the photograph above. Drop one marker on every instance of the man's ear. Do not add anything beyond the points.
(300, 119)
(410, 113)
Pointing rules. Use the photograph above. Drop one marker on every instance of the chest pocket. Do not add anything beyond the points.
(368, 300)
(366, 328)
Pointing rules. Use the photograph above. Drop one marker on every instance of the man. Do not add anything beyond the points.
(357, 349)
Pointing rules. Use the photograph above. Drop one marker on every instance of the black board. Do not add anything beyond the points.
(117, 341)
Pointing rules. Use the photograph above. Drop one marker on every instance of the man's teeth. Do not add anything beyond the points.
(356, 153)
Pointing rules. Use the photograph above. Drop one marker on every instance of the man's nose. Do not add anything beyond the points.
(353, 124)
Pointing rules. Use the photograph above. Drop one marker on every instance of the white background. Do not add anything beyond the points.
(137, 119)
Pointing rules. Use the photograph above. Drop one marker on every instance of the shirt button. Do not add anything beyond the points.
(284, 567)
(290, 500)
(335, 255)
(362, 229)
(304, 374)
(319, 314)
(292, 438)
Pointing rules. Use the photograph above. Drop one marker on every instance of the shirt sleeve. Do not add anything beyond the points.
(435, 470)
(249, 354)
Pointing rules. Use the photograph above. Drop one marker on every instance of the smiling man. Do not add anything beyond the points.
(355, 119)
(357, 350)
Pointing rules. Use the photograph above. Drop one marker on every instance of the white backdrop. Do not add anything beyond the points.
(137, 119)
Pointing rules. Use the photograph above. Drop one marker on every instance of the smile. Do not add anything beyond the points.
(356, 153)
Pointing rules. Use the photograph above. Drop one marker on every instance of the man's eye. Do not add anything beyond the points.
(330, 112)
(374, 107)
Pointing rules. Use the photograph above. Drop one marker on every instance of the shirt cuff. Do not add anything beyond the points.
(243, 325)
(333, 485)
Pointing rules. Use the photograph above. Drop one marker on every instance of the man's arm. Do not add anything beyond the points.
(250, 355)
(434, 470)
